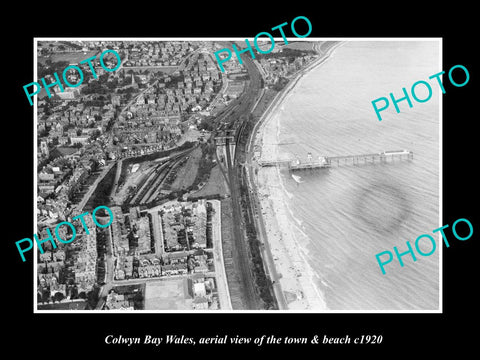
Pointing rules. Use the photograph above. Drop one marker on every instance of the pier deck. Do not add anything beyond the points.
(329, 161)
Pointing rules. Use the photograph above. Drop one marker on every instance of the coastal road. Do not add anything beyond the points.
(259, 222)
(251, 167)
(263, 238)
(255, 206)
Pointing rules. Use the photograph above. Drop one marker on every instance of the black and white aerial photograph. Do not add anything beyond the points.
(212, 178)
(267, 185)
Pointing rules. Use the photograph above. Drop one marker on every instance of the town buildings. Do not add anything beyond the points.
(163, 89)
(176, 248)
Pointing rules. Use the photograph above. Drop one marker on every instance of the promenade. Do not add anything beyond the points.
(283, 257)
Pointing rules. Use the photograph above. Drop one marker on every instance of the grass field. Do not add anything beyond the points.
(167, 295)
(70, 57)
(214, 186)
(300, 45)
(264, 102)
(164, 69)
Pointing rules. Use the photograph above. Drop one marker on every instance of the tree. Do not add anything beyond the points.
(58, 296)
(46, 295)
(206, 125)
(94, 165)
(42, 133)
(74, 292)
(95, 134)
(103, 78)
(92, 296)
(112, 84)
(138, 299)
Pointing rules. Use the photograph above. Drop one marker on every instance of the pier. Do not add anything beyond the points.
(329, 161)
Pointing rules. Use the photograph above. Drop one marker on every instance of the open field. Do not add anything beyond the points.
(300, 45)
(70, 57)
(140, 69)
(214, 186)
(167, 295)
(267, 98)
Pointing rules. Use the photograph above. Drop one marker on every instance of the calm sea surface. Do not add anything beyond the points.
(347, 215)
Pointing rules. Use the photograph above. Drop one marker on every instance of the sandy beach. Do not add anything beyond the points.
(286, 242)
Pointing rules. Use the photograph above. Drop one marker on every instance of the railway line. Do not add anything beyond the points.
(150, 185)
(163, 175)
(237, 125)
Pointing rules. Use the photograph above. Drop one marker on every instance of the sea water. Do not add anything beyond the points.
(346, 215)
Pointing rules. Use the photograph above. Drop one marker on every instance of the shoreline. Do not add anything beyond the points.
(293, 277)
(296, 77)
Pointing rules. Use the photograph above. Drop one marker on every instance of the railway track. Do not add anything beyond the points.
(240, 244)
(154, 178)
(158, 182)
